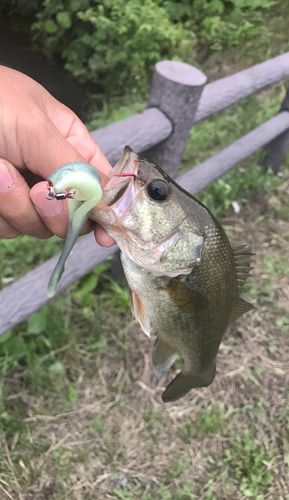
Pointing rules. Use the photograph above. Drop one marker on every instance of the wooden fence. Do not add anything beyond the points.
(179, 97)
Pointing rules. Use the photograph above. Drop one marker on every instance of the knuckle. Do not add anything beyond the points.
(9, 233)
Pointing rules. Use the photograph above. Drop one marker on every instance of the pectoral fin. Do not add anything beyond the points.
(185, 297)
(164, 356)
(139, 312)
(185, 381)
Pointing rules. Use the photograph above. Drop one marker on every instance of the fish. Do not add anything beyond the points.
(185, 278)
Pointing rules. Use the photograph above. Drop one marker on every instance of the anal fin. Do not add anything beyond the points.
(186, 381)
(164, 356)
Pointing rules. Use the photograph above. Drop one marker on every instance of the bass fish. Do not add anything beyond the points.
(184, 277)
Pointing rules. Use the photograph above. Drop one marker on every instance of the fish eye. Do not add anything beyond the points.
(158, 190)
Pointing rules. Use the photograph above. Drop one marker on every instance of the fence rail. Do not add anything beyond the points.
(156, 132)
(227, 91)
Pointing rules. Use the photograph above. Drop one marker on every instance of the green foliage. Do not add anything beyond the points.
(250, 461)
(237, 184)
(114, 296)
(72, 393)
(118, 43)
(117, 297)
(273, 266)
(87, 284)
(36, 342)
(20, 254)
(115, 112)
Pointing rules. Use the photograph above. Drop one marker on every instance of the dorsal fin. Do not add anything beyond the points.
(243, 258)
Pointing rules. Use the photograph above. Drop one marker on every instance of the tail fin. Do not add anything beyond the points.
(185, 381)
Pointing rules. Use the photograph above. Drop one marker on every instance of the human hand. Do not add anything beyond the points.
(37, 135)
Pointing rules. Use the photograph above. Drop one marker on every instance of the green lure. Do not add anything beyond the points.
(85, 184)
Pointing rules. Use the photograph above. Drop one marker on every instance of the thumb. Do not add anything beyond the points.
(54, 213)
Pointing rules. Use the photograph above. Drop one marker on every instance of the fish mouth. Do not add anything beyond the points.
(119, 192)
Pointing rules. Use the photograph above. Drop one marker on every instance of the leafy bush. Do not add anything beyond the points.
(117, 42)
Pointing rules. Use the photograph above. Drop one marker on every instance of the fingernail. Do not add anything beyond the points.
(46, 208)
(6, 179)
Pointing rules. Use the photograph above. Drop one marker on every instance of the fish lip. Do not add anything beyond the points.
(116, 189)
(123, 161)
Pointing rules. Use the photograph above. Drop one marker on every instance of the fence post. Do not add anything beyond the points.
(276, 150)
(175, 90)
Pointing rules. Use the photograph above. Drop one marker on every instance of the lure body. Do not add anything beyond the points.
(86, 184)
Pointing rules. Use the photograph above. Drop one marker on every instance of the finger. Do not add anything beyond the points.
(92, 155)
(15, 204)
(71, 127)
(43, 147)
(35, 128)
(6, 230)
(76, 133)
(54, 212)
(102, 238)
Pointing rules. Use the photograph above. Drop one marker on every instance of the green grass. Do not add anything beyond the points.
(208, 424)
(18, 256)
(250, 462)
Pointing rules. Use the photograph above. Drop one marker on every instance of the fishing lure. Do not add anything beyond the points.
(86, 193)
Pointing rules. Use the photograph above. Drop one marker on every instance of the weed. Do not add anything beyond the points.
(19, 255)
(210, 423)
(250, 462)
(176, 468)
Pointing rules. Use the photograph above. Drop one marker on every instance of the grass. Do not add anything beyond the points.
(81, 414)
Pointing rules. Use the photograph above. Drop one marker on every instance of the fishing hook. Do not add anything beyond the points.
(126, 175)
